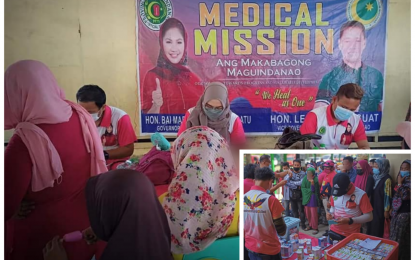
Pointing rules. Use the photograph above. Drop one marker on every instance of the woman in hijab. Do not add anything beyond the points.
(310, 190)
(171, 87)
(124, 211)
(200, 202)
(381, 197)
(364, 178)
(212, 110)
(400, 228)
(55, 149)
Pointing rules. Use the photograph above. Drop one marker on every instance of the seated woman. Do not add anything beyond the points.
(200, 202)
(124, 211)
(213, 110)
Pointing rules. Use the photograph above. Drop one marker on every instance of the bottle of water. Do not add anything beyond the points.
(323, 147)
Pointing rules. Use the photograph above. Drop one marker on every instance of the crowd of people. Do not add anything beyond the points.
(359, 195)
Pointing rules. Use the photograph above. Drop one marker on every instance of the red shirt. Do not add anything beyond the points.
(309, 125)
(321, 177)
(59, 210)
(237, 134)
(116, 131)
(179, 94)
(248, 183)
(328, 179)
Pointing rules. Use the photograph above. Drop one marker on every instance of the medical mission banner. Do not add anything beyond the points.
(279, 60)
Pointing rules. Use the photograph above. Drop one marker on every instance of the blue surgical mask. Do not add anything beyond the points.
(404, 174)
(376, 171)
(342, 114)
(212, 113)
(338, 171)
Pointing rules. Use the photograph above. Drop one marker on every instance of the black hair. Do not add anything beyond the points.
(296, 160)
(372, 161)
(264, 157)
(350, 90)
(348, 158)
(347, 132)
(285, 164)
(249, 171)
(92, 93)
(264, 174)
(106, 131)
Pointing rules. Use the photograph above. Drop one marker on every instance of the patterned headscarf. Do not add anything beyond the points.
(201, 197)
(384, 168)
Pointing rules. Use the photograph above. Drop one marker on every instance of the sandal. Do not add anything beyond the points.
(315, 232)
(307, 228)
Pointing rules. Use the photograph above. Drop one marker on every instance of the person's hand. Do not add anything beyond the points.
(328, 204)
(54, 250)
(290, 173)
(400, 179)
(329, 216)
(283, 182)
(157, 94)
(26, 207)
(386, 214)
(342, 221)
(89, 236)
(104, 140)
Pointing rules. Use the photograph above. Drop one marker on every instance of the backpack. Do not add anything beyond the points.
(156, 165)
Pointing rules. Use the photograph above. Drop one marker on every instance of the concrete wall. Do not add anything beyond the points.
(93, 41)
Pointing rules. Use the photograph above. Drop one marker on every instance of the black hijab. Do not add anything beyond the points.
(124, 211)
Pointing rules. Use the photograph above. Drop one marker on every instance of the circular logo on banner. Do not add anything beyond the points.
(153, 13)
(322, 130)
(368, 12)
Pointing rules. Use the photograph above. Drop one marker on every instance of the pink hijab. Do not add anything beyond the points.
(361, 180)
(31, 97)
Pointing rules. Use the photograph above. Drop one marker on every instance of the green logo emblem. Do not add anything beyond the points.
(322, 130)
(368, 12)
(335, 198)
(153, 13)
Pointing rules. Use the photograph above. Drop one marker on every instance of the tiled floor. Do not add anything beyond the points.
(321, 228)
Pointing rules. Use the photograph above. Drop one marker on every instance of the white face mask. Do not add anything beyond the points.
(95, 116)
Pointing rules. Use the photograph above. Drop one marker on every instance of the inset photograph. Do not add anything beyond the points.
(326, 206)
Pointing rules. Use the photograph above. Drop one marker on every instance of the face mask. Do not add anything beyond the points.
(338, 171)
(342, 114)
(296, 169)
(95, 116)
(212, 113)
(404, 174)
(327, 170)
(359, 172)
(376, 171)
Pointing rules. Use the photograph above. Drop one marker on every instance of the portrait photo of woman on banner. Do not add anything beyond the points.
(171, 87)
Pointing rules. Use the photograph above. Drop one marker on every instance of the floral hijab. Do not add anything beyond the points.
(201, 200)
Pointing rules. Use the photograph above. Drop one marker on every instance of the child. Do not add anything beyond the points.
(310, 190)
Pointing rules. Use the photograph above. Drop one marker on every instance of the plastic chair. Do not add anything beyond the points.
(222, 249)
